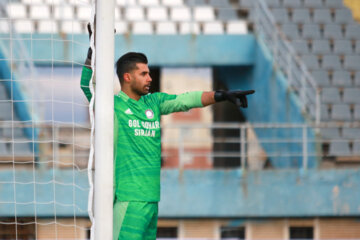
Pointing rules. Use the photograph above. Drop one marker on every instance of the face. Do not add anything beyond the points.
(140, 79)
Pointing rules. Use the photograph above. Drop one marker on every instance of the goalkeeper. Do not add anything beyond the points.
(137, 146)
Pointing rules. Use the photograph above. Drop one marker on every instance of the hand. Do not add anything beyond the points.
(236, 97)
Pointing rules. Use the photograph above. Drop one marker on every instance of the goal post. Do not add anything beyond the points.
(104, 119)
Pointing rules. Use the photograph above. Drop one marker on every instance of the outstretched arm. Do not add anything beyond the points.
(236, 97)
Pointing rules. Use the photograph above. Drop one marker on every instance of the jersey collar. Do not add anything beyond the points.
(126, 98)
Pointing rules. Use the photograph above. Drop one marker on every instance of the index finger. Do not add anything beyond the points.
(247, 92)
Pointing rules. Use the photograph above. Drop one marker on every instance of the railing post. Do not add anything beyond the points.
(303, 92)
(305, 145)
(317, 107)
(242, 147)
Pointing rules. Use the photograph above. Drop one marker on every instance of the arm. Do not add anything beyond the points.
(207, 98)
(85, 82)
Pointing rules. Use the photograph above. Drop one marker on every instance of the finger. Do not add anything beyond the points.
(243, 100)
(246, 92)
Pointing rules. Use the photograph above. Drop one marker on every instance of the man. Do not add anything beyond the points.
(137, 147)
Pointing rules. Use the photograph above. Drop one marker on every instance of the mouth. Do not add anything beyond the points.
(147, 87)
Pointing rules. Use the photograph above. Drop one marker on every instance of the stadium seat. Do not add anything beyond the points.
(180, 14)
(142, 27)
(273, 3)
(313, 3)
(334, 3)
(213, 28)
(353, 31)
(343, 16)
(339, 148)
(13, 133)
(166, 28)
(47, 26)
(352, 62)
(321, 77)
(321, 46)
(172, 3)
(84, 13)
(301, 15)
(126, 3)
(357, 47)
(311, 31)
(117, 13)
(227, 14)
(357, 112)
(149, 3)
(324, 113)
(220, 4)
(331, 62)
(29, 2)
(193, 3)
(333, 31)
(246, 3)
(357, 78)
(21, 148)
(330, 95)
(290, 30)
(330, 133)
(16, 10)
(5, 111)
(121, 27)
(157, 14)
(311, 61)
(350, 133)
(71, 27)
(3, 92)
(341, 78)
(63, 12)
(280, 15)
(341, 112)
(322, 16)
(4, 26)
(39, 12)
(356, 148)
(134, 13)
(292, 3)
(352, 95)
(300, 46)
(342, 47)
(24, 26)
(236, 27)
(3, 149)
(204, 14)
(189, 28)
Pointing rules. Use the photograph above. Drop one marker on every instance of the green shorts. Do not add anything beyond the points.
(135, 220)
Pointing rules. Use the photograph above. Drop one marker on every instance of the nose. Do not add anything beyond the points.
(149, 78)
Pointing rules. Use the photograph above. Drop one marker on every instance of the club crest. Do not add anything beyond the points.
(149, 114)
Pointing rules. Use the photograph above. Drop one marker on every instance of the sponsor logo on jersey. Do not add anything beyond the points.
(128, 111)
(149, 113)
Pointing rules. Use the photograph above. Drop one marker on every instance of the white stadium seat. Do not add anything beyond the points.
(134, 13)
(28, 2)
(149, 2)
(71, 27)
(126, 2)
(63, 12)
(16, 10)
(121, 27)
(157, 14)
(47, 26)
(189, 28)
(236, 27)
(84, 13)
(213, 28)
(204, 14)
(24, 26)
(79, 2)
(54, 2)
(180, 14)
(117, 13)
(166, 28)
(4, 26)
(172, 3)
(39, 12)
(142, 28)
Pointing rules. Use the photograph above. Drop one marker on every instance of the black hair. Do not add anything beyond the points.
(127, 62)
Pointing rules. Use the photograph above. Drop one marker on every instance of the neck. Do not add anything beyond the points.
(131, 94)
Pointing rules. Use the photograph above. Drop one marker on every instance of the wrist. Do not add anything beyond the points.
(219, 96)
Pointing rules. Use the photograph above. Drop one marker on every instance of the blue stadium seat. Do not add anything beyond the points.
(311, 31)
(313, 3)
(343, 16)
(357, 47)
(3, 149)
(330, 133)
(352, 31)
(301, 15)
(281, 15)
(5, 111)
(300, 46)
(22, 148)
(350, 133)
(351, 95)
(357, 78)
(273, 3)
(331, 62)
(330, 95)
(311, 62)
(195, 2)
(14, 133)
(322, 16)
(321, 46)
(227, 14)
(325, 116)
(333, 31)
(352, 62)
(339, 148)
(246, 3)
(220, 4)
(3, 92)
(341, 78)
(341, 112)
(356, 148)
(334, 3)
(343, 47)
(290, 30)
(357, 112)
(292, 3)
(321, 77)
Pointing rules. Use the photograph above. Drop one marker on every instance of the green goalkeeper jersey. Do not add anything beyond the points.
(137, 139)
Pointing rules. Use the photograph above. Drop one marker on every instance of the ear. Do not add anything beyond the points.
(127, 77)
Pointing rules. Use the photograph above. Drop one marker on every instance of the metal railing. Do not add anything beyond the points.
(287, 61)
